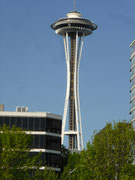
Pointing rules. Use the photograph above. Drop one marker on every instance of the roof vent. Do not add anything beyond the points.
(21, 109)
(1, 107)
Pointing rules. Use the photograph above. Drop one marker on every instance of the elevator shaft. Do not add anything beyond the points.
(72, 121)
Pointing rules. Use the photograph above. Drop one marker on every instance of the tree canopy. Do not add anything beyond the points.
(109, 156)
(16, 162)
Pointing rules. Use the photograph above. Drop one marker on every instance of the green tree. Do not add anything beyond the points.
(45, 174)
(110, 155)
(15, 162)
(70, 171)
(64, 157)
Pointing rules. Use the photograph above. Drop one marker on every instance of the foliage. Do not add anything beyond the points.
(45, 175)
(109, 156)
(70, 169)
(15, 162)
(49, 175)
(64, 157)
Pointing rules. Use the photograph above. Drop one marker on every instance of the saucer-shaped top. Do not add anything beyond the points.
(74, 23)
(74, 14)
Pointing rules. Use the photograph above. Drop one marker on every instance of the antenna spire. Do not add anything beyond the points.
(74, 5)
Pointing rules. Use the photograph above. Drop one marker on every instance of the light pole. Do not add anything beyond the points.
(71, 171)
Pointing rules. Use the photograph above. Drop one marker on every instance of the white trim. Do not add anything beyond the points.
(30, 114)
(50, 168)
(71, 132)
(46, 150)
(42, 133)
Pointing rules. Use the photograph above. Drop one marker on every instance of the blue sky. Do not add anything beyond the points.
(33, 66)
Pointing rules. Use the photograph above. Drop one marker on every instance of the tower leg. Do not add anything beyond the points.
(81, 41)
(66, 46)
(72, 103)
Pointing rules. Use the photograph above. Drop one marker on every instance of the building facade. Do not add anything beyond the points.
(45, 129)
(132, 81)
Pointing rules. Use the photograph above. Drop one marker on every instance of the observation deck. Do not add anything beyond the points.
(73, 23)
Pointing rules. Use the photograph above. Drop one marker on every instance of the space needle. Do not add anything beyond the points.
(73, 28)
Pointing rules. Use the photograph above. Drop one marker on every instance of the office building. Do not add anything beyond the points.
(45, 129)
(132, 81)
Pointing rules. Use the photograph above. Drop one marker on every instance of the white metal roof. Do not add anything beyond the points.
(30, 114)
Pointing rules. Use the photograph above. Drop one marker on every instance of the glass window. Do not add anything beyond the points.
(31, 124)
(43, 158)
(24, 123)
(52, 160)
(48, 125)
(36, 141)
(6, 121)
(53, 125)
(53, 143)
(12, 121)
(18, 122)
(43, 124)
(37, 122)
(42, 141)
(1, 121)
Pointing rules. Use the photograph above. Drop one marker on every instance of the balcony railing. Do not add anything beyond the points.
(132, 95)
(132, 109)
(132, 72)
